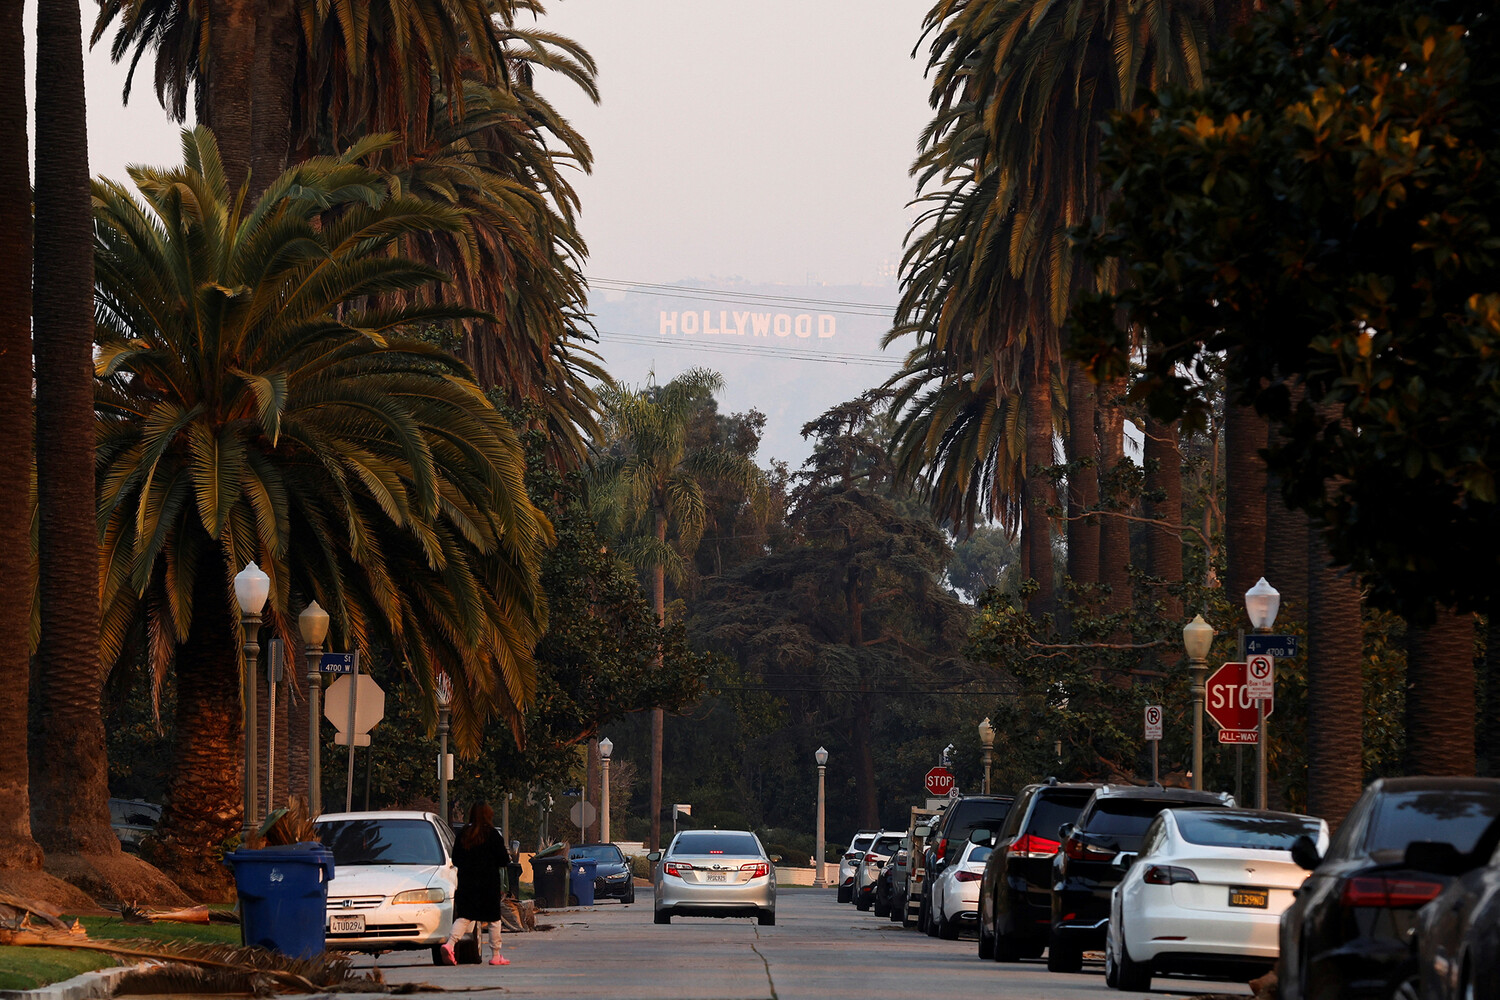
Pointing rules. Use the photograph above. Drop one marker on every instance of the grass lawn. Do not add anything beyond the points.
(29, 968)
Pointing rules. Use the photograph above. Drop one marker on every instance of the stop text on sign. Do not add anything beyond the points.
(939, 781)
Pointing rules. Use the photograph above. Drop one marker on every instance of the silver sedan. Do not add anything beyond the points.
(714, 873)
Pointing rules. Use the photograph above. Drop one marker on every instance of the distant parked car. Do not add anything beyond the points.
(1087, 869)
(714, 873)
(1457, 940)
(1205, 895)
(852, 857)
(133, 821)
(871, 865)
(955, 893)
(965, 815)
(885, 885)
(1345, 935)
(1015, 896)
(612, 879)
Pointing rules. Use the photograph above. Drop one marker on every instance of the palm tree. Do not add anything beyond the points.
(254, 405)
(648, 487)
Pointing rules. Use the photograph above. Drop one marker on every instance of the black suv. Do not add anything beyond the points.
(1015, 896)
(965, 815)
(1086, 870)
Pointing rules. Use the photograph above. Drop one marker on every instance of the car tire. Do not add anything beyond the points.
(1007, 948)
(923, 915)
(948, 929)
(843, 894)
(934, 922)
(862, 904)
(628, 896)
(1063, 955)
(986, 942)
(1131, 976)
(882, 907)
(664, 916)
(766, 918)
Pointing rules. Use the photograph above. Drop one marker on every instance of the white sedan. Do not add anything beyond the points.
(393, 881)
(1205, 894)
(955, 894)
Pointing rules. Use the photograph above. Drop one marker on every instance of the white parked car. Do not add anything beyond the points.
(1205, 895)
(393, 881)
(955, 893)
(867, 870)
(850, 862)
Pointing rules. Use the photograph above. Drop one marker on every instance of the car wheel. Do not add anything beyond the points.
(986, 942)
(934, 922)
(1063, 955)
(1131, 976)
(843, 894)
(898, 909)
(664, 916)
(948, 929)
(923, 915)
(863, 902)
(629, 896)
(882, 906)
(1111, 968)
(766, 918)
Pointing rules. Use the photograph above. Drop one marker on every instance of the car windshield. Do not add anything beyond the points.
(714, 842)
(1251, 832)
(1457, 816)
(1122, 822)
(1053, 810)
(599, 852)
(886, 845)
(381, 842)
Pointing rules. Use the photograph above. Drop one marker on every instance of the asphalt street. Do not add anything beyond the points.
(818, 950)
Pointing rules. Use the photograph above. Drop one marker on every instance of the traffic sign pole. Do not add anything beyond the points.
(353, 701)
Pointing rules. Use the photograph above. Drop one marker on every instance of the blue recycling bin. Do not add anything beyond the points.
(283, 895)
(581, 876)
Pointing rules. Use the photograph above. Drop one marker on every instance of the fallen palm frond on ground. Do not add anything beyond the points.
(14, 911)
(135, 913)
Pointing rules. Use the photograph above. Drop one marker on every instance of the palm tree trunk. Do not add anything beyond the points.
(1488, 747)
(227, 92)
(1335, 686)
(18, 850)
(658, 717)
(1163, 505)
(1245, 434)
(70, 775)
(205, 796)
(1041, 494)
(1286, 555)
(1083, 480)
(1440, 695)
(1114, 532)
(277, 33)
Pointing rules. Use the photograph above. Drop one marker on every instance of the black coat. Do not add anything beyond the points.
(479, 868)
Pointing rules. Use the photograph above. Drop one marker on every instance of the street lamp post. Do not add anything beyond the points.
(606, 747)
(443, 691)
(1262, 601)
(821, 756)
(251, 588)
(987, 747)
(313, 624)
(1197, 636)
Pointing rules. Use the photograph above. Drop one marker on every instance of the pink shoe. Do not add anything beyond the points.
(499, 959)
(448, 953)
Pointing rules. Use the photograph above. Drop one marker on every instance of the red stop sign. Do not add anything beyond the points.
(1225, 702)
(939, 782)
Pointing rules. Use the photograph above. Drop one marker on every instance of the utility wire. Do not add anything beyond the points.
(711, 347)
(728, 295)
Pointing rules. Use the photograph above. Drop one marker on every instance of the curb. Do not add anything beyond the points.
(85, 986)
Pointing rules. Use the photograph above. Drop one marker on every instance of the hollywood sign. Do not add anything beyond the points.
(740, 324)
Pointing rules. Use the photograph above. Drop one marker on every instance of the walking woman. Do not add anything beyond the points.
(481, 857)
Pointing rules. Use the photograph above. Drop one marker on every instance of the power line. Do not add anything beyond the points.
(717, 295)
(786, 354)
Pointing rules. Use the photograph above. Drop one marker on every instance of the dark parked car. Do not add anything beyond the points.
(133, 821)
(612, 878)
(1015, 896)
(1346, 933)
(1089, 866)
(1457, 941)
(967, 814)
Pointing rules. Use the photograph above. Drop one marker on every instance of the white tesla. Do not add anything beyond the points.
(1205, 894)
(955, 893)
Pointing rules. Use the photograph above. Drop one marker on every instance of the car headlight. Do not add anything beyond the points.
(434, 895)
(617, 876)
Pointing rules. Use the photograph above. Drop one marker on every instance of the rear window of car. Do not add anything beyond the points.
(980, 815)
(978, 854)
(1053, 809)
(886, 845)
(598, 852)
(1126, 819)
(1457, 816)
(861, 844)
(1254, 833)
(713, 842)
(381, 842)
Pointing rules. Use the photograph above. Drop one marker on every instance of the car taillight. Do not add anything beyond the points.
(1168, 875)
(872, 859)
(967, 876)
(1032, 846)
(939, 849)
(676, 868)
(757, 869)
(852, 856)
(1395, 893)
(1079, 851)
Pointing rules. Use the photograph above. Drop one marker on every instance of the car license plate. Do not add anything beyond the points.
(716, 878)
(353, 923)
(1242, 896)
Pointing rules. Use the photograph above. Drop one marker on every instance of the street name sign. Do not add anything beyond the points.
(1260, 676)
(1228, 703)
(337, 663)
(1153, 722)
(939, 781)
(1283, 647)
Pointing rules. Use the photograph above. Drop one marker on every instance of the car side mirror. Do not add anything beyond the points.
(1065, 831)
(775, 859)
(923, 832)
(654, 857)
(939, 864)
(1433, 856)
(984, 837)
(1305, 853)
(1123, 861)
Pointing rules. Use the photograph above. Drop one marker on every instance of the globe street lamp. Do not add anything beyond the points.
(821, 756)
(251, 588)
(443, 691)
(313, 624)
(1197, 636)
(1262, 601)
(987, 747)
(606, 747)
